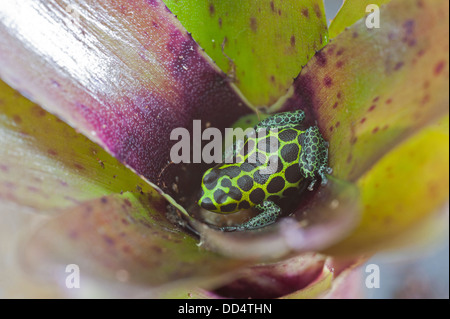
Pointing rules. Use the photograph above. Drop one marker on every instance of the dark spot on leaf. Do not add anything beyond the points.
(331, 128)
(349, 158)
(409, 26)
(279, 12)
(330, 49)
(439, 67)
(412, 42)
(363, 120)
(78, 166)
(353, 140)
(272, 79)
(126, 249)
(293, 40)
(375, 130)
(272, 6)
(335, 105)
(38, 111)
(220, 22)
(73, 234)
(372, 108)
(321, 59)
(376, 99)
(339, 94)
(305, 12)
(17, 119)
(253, 24)
(127, 202)
(55, 83)
(317, 10)
(52, 152)
(108, 240)
(339, 64)
(339, 52)
(338, 124)
(212, 10)
(389, 101)
(398, 66)
(327, 81)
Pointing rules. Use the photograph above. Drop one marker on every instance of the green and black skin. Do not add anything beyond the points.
(269, 164)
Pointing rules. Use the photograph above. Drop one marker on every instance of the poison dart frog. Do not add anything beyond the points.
(270, 163)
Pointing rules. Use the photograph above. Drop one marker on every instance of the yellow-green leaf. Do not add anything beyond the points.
(262, 45)
(45, 164)
(350, 12)
(402, 191)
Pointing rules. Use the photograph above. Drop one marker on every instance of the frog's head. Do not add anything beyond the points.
(218, 194)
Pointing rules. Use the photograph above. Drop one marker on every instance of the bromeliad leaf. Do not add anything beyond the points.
(371, 88)
(63, 191)
(131, 76)
(122, 238)
(350, 12)
(403, 193)
(46, 165)
(262, 45)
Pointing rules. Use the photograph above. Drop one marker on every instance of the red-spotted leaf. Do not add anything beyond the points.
(371, 88)
(403, 194)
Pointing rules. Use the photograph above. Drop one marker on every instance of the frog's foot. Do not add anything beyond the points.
(314, 157)
(324, 180)
(325, 170)
(269, 214)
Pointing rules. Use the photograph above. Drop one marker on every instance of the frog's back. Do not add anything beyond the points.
(266, 167)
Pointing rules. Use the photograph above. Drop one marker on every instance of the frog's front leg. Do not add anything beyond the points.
(269, 214)
(313, 160)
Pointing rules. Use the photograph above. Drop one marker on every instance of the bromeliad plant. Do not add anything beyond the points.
(125, 74)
